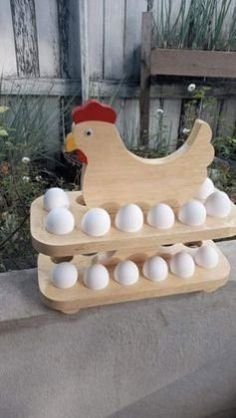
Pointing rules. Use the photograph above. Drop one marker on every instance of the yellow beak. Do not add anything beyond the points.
(70, 143)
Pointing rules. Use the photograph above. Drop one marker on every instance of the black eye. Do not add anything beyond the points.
(88, 132)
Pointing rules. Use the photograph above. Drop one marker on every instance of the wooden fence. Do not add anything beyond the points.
(69, 48)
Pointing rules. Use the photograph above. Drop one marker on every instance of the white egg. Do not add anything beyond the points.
(182, 265)
(155, 268)
(59, 221)
(192, 213)
(218, 204)
(55, 198)
(64, 275)
(161, 216)
(96, 222)
(96, 277)
(207, 257)
(126, 273)
(129, 218)
(206, 189)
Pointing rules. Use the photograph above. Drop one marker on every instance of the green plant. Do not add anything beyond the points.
(200, 24)
(25, 126)
(223, 169)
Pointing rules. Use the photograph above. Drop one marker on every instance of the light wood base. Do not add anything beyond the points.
(78, 297)
(79, 243)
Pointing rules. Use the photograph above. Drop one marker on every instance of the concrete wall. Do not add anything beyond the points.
(173, 357)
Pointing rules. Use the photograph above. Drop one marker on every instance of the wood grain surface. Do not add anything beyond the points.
(78, 297)
(79, 243)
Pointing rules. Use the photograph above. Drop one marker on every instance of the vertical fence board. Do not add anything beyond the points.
(131, 123)
(84, 55)
(25, 33)
(154, 123)
(7, 45)
(146, 44)
(54, 132)
(133, 20)
(119, 105)
(210, 114)
(172, 110)
(95, 38)
(114, 39)
(227, 120)
(48, 38)
(69, 38)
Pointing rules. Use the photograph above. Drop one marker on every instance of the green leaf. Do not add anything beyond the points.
(3, 109)
(3, 132)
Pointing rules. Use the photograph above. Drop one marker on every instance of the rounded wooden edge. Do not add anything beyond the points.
(70, 312)
(220, 284)
(57, 306)
(73, 306)
(126, 241)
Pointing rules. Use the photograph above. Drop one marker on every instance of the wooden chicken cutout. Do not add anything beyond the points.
(114, 176)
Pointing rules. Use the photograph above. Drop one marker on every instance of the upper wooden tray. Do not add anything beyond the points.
(79, 243)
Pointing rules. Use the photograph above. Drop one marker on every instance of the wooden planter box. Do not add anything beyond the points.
(193, 63)
(176, 62)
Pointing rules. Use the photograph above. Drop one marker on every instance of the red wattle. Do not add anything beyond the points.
(81, 156)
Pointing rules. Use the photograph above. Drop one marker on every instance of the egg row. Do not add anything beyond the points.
(129, 218)
(96, 277)
(56, 197)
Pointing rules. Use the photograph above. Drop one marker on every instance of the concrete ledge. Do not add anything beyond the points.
(167, 357)
(20, 298)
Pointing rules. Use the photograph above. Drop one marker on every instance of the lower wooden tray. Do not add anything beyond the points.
(78, 297)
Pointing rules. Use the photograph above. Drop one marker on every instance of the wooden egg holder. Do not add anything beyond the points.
(173, 179)
(117, 246)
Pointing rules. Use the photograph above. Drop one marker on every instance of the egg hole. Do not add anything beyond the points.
(138, 258)
(110, 207)
(104, 256)
(165, 256)
(167, 245)
(107, 258)
(89, 254)
(57, 260)
(80, 200)
(194, 244)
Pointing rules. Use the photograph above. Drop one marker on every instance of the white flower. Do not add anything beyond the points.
(26, 179)
(159, 111)
(191, 87)
(186, 131)
(25, 160)
(38, 178)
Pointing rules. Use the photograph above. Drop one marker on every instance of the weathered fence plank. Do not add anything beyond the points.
(54, 137)
(25, 33)
(146, 44)
(7, 45)
(114, 39)
(119, 105)
(193, 63)
(131, 123)
(95, 38)
(71, 87)
(172, 111)
(133, 22)
(84, 52)
(227, 119)
(48, 40)
(156, 107)
(69, 38)
(210, 113)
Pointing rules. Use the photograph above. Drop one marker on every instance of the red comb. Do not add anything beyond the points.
(94, 110)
